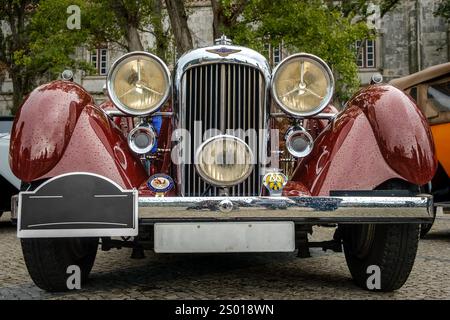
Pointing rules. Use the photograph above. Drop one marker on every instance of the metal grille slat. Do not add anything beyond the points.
(222, 96)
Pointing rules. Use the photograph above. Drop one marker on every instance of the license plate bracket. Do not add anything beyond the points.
(223, 237)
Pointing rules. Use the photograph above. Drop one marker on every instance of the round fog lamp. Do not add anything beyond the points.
(224, 161)
(299, 142)
(142, 139)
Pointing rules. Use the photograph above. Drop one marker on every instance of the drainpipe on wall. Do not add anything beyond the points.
(419, 34)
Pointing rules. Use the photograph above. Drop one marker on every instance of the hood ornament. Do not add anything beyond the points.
(223, 51)
(223, 40)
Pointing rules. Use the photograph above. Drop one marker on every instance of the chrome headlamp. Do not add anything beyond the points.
(138, 83)
(302, 85)
(224, 160)
(142, 139)
(299, 142)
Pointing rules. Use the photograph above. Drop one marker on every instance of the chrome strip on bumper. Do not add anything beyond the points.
(299, 209)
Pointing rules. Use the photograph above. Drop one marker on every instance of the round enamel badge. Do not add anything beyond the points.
(160, 183)
(274, 182)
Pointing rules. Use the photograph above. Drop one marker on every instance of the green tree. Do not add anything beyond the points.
(444, 9)
(41, 45)
(306, 26)
(326, 28)
(14, 41)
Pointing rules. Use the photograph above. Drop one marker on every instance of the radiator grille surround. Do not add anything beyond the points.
(230, 98)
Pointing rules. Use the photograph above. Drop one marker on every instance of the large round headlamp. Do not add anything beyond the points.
(302, 85)
(224, 160)
(138, 83)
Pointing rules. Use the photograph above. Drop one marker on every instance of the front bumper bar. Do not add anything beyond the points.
(312, 210)
(88, 205)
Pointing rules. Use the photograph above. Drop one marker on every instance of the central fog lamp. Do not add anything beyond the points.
(224, 161)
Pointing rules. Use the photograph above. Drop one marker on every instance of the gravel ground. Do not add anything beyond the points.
(231, 276)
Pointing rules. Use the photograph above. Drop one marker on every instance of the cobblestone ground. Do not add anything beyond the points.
(232, 276)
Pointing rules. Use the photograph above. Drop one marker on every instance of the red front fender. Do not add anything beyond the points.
(381, 135)
(60, 130)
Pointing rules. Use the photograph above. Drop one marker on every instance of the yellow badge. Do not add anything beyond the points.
(275, 182)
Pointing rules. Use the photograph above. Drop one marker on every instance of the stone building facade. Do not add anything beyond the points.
(410, 38)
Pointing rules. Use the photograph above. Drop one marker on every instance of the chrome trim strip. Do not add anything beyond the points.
(110, 195)
(69, 223)
(325, 116)
(118, 113)
(46, 197)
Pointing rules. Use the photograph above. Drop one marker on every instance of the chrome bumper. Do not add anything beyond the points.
(310, 210)
(88, 205)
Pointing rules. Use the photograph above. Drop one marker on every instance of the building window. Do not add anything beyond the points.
(275, 53)
(366, 54)
(99, 59)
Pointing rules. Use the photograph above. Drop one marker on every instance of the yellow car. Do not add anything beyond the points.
(431, 90)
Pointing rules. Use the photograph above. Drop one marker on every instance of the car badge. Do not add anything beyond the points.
(160, 184)
(223, 51)
(274, 183)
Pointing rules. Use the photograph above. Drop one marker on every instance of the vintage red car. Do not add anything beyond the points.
(225, 156)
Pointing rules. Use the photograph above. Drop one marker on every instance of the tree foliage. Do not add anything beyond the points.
(326, 28)
(41, 45)
(14, 43)
(305, 26)
(444, 9)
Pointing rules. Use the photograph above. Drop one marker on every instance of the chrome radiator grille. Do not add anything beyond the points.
(223, 97)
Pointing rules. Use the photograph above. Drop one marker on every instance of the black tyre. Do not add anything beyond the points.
(426, 227)
(47, 260)
(391, 247)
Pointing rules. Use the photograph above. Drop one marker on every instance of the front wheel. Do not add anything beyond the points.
(392, 248)
(47, 260)
(426, 227)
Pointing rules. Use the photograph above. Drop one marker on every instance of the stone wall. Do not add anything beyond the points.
(404, 49)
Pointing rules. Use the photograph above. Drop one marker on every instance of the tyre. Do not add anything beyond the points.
(391, 247)
(47, 260)
(426, 227)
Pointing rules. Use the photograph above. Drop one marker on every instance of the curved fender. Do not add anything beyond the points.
(43, 127)
(59, 130)
(380, 135)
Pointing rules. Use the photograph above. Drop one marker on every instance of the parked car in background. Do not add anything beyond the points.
(430, 88)
(196, 162)
(9, 184)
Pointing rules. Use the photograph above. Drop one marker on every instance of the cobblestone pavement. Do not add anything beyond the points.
(232, 276)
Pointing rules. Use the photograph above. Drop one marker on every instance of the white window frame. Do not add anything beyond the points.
(363, 60)
(100, 55)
